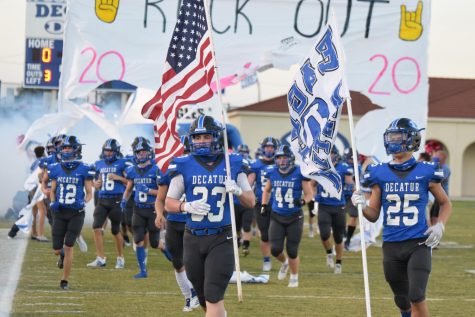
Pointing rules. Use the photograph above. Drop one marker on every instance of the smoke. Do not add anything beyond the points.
(14, 163)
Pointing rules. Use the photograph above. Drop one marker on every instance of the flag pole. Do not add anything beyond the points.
(360, 209)
(226, 156)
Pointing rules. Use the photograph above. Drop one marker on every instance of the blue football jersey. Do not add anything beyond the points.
(146, 176)
(259, 167)
(323, 197)
(70, 183)
(285, 188)
(164, 180)
(404, 197)
(111, 187)
(205, 182)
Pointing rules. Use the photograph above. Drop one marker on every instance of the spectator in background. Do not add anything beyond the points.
(440, 157)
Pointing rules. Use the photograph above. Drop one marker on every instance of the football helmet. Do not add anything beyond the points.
(139, 139)
(140, 146)
(58, 140)
(185, 140)
(402, 135)
(284, 158)
(243, 149)
(269, 141)
(67, 143)
(335, 155)
(205, 125)
(50, 147)
(348, 155)
(113, 146)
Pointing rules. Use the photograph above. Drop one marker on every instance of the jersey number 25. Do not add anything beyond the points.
(409, 213)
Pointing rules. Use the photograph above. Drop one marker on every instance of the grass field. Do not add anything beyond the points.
(110, 292)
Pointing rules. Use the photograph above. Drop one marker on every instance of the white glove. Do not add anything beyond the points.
(435, 233)
(197, 207)
(357, 198)
(232, 187)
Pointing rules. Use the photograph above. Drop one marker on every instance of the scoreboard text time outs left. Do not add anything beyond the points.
(43, 61)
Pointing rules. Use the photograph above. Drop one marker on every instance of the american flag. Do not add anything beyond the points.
(189, 69)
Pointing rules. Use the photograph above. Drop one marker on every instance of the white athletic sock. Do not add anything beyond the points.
(183, 283)
(294, 276)
(286, 261)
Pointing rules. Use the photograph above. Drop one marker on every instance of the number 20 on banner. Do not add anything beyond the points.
(92, 72)
(394, 79)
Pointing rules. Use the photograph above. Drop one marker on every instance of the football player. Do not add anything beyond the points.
(175, 229)
(400, 189)
(257, 177)
(286, 183)
(349, 207)
(110, 185)
(208, 250)
(331, 213)
(143, 178)
(52, 149)
(243, 149)
(55, 157)
(69, 179)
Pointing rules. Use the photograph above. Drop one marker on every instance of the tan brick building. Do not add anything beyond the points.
(451, 122)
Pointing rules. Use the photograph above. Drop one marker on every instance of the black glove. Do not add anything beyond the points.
(298, 202)
(311, 205)
(265, 209)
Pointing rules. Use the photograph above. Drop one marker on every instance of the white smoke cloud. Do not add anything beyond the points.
(15, 163)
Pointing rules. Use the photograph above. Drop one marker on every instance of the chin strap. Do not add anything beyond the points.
(404, 166)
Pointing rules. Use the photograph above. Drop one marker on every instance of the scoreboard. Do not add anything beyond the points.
(45, 20)
(43, 62)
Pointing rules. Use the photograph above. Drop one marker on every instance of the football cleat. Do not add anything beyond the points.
(64, 284)
(120, 262)
(98, 262)
(330, 262)
(141, 275)
(338, 268)
(60, 262)
(42, 239)
(245, 250)
(194, 302)
(187, 307)
(81, 243)
(293, 282)
(126, 241)
(347, 245)
(284, 268)
(266, 266)
(311, 233)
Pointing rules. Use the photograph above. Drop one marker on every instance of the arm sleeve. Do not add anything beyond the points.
(91, 173)
(243, 182)
(437, 174)
(177, 187)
